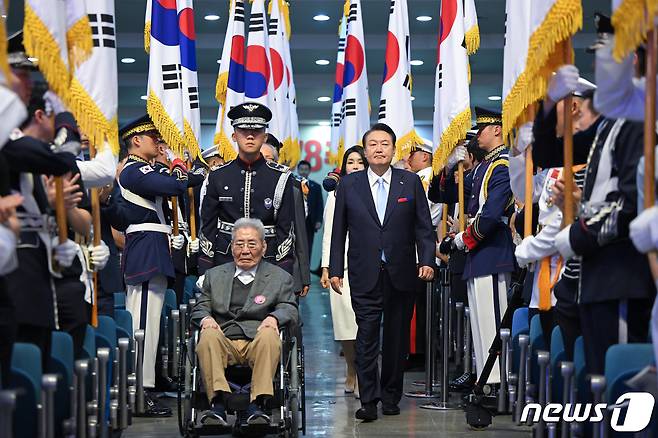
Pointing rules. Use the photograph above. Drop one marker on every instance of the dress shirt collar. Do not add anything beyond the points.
(373, 177)
(245, 276)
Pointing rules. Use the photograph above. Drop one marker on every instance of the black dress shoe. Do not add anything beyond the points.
(154, 409)
(368, 412)
(465, 382)
(390, 409)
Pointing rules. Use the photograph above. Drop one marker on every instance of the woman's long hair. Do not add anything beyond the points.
(358, 149)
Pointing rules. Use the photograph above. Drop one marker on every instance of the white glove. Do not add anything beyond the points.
(99, 256)
(64, 253)
(521, 254)
(193, 246)
(640, 230)
(170, 155)
(563, 83)
(177, 242)
(458, 154)
(524, 137)
(459, 241)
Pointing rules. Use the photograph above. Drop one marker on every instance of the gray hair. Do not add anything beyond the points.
(275, 153)
(246, 222)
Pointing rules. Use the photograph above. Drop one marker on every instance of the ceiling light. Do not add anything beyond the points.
(424, 18)
(211, 17)
(145, 97)
(416, 62)
(322, 62)
(127, 60)
(324, 99)
(321, 17)
(494, 97)
(324, 123)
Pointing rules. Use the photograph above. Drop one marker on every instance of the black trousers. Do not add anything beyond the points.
(396, 308)
(39, 336)
(8, 331)
(547, 320)
(73, 312)
(566, 312)
(600, 325)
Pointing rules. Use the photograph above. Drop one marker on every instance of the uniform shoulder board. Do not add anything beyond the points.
(277, 166)
(222, 166)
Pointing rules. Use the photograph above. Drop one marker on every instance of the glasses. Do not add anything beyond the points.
(251, 244)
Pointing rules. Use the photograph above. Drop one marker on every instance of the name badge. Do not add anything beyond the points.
(225, 199)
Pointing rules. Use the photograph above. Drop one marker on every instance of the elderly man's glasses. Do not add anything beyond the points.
(249, 244)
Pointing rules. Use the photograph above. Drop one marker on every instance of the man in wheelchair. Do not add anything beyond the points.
(242, 305)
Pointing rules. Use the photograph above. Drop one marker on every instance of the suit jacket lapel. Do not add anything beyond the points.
(258, 286)
(229, 272)
(363, 188)
(393, 194)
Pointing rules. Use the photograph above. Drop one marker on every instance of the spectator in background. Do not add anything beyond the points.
(315, 204)
(342, 314)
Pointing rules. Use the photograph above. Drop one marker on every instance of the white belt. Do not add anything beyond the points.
(159, 228)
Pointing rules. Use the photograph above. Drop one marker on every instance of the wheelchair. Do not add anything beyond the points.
(288, 403)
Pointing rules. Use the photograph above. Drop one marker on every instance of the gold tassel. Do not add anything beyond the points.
(472, 38)
(225, 147)
(4, 63)
(147, 37)
(632, 20)
(545, 55)
(167, 127)
(285, 11)
(406, 143)
(221, 87)
(91, 119)
(191, 142)
(39, 43)
(455, 132)
(346, 8)
(79, 42)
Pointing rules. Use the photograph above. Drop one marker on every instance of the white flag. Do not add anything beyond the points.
(292, 155)
(338, 94)
(280, 77)
(190, 82)
(165, 100)
(94, 87)
(147, 26)
(355, 110)
(229, 90)
(471, 28)
(452, 110)
(395, 105)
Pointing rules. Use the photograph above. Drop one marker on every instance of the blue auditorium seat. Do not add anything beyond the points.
(119, 300)
(558, 355)
(170, 302)
(519, 327)
(26, 375)
(580, 371)
(61, 363)
(537, 343)
(622, 360)
(89, 345)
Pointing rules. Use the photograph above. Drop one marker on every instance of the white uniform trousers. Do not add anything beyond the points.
(487, 300)
(144, 302)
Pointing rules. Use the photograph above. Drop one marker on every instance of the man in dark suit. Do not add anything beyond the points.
(315, 204)
(385, 212)
(242, 305)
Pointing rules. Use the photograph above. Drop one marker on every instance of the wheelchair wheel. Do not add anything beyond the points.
(185, 391)
(293, 411)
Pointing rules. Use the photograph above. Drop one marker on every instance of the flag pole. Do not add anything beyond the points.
(568, 145)
(460, 194)
(190, 195)
(174, 213)
(650, 135)
(60, 210)
(96, 220)
(529, 186)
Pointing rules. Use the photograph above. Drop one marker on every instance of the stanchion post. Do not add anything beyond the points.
(598, 389)
(543, 359)
(124, 345)
(48, 387)
(80, 394)
(502, 393)
(429, 347)
(139, 372)
(7, 405)
(103, 355)
(459, 333)
(524, 340)
(566, 369)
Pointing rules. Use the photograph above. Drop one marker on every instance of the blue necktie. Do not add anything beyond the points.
(381, 205)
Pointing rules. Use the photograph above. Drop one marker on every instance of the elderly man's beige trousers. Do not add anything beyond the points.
(216, 352)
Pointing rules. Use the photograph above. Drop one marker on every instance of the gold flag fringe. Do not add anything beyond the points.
(336, 158)
(147, 37)
(79, 42)
(225, 147)
(4, 63)
(632, 20)
(40, 43)
(455, 132)
(545, 55)
(472, 38)
(290, 152)
(191, 142)
(91, 119)
(167, 127)
(346, 9)
(221, 87)
(406, 143)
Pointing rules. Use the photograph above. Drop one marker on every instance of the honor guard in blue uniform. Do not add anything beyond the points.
(488, 238)
(147, 262)
(248, 186)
